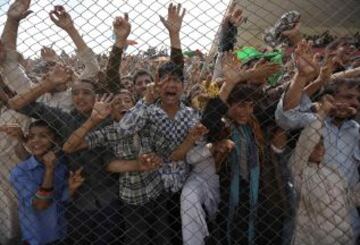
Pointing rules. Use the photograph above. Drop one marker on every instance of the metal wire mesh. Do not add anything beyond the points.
(228, 130)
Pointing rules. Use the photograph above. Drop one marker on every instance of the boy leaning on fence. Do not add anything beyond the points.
(43, 186)
(325, 198)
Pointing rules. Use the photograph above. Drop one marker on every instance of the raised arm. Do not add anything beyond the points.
(310, 137)
(101, 110)
(324, 77)
(304, 70)
(57, 76)
(227, 37)
(63, 20)
(122, 30)
(173, 25)
(11, 70)
(18, 10)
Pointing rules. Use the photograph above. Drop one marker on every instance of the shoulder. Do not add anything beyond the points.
(21, 169)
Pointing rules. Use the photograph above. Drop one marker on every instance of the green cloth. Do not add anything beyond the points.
(247, 54)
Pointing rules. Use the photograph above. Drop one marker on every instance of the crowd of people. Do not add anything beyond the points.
(253, 146)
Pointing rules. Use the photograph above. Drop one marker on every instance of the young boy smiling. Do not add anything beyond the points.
(42, 187)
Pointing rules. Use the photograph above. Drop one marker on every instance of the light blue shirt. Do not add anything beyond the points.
(342, 148)
(40, 227)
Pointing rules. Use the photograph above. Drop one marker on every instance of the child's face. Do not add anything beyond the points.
(170, 90)
(318, 153)
(241, 112)
(40, 140)
(83, 96)
(120, 105)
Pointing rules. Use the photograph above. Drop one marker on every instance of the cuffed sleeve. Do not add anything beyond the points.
(88, 58)
(297, 117)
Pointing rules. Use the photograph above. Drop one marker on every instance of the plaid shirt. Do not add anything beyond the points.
(136, 188)
(154, 118)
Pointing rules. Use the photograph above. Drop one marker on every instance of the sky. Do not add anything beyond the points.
(94, 19)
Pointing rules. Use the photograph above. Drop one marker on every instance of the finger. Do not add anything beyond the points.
(170, 8)
(109, 98)
(162, 19)
(103, 97)
(126, 17)
(52, 17)
(27, 13)
(183, 13)
(79, 171)
(178, 9)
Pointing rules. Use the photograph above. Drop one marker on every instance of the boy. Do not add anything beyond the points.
(42, 187)
(325, 199)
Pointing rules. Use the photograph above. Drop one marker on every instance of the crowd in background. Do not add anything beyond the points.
(252, 146)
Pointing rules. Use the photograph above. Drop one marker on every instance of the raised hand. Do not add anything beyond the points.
(235, 16)
(75, 180)
(261, 71)
(150, 93)
(196, 132)
(174, 18)
(61, 18)
(102, 108)
(49, 160)
(149, 162)
(49, 55)
(59, 75)
(327, 69)
(122, 28)
(14, 131)
(19, 10)
(231, 68)
(220, 151)
(305, 60)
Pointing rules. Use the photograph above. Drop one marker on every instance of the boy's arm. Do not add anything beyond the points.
(145, 162)
(173, 25)
(310, 137)
(63, 20)
(77, 141)
(57, 76)
(122, 30)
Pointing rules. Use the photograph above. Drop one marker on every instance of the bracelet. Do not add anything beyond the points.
(46, 189)
(43, 197)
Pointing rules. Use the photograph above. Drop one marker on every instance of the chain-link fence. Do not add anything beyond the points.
(233, 122)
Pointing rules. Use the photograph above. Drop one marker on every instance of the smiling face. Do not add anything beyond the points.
(120, 105)
(83, 96)
(170, 90)
(346, 98)
(241, 112)
(40, 140)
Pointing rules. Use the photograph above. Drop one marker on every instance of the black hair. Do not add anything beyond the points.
(44, 124)
(244, 93)
(339, 42)
(172, 69)
(333, 87)
(141, 72)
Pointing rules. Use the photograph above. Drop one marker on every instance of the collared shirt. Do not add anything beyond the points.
(342, 150)
(325, 200)
(341, 143)
(99, 188)
(173, 173)
(40, 226)
(135, 188)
